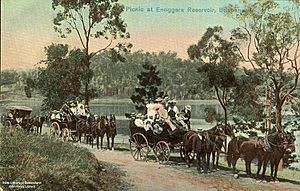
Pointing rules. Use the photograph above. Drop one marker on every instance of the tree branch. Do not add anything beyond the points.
(76, 28)
(93, 54)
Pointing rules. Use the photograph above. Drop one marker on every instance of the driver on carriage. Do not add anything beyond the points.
(175, 115)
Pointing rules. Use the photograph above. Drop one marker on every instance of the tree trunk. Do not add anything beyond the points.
(223, 104)
(86, 89)
(278, 116)
(225, 114)
(86, 93)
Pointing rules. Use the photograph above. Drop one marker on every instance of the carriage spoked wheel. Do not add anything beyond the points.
(18, 127)
(139, 147)
(7, 124)
(54, 129)
(162, 152)
(190, 155)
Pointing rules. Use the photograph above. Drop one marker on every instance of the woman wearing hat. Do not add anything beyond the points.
(187, 115)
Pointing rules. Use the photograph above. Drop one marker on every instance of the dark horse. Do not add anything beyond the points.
(217, 137)
(208, 143)
(233, 152)
(279, 143)
(199, 144)
(38, 123)
(111, 130)
(252, 149)
(99, 129)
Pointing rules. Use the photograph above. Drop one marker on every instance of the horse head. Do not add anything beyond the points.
(112, 120)
(228, 130)
(103, 122)
(219, 130)
(279, 139)
(291, 142)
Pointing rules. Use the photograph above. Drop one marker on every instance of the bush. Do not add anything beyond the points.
(53, 164)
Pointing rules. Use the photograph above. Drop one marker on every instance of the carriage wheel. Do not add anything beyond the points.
(7, 124)
(65, 134)
(54, 129)
(162, 152)
(139, 146)
(191, 155)
(18, 127)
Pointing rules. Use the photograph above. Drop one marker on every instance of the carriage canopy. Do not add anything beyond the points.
(23, 111)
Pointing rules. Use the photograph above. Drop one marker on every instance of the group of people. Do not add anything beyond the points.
(75, 108)
(167, 111)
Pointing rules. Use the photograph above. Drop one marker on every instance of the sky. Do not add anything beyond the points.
(27, 27)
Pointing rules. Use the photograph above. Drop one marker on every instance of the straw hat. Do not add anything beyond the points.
(188, 107)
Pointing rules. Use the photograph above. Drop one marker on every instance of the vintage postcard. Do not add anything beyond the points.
(150, 95)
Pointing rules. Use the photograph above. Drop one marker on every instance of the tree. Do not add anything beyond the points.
(91, 19)
(179, 77)
(149, 82)
(244, 100)
(272, 38)
(29, 86)
(61, 79)
(220, 58)
(8, 77)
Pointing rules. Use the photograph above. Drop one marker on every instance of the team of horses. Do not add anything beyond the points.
(270, 148)
(93, 129)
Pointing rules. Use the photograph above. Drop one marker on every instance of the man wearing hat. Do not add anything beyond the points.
(187, 115)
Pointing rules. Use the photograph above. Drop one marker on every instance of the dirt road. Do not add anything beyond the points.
(154, 176)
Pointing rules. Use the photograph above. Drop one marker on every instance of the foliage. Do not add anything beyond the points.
(272, 38)
(148, 90)
(62, 77)
(57, 165)
(92, 19)
(245, 103)
(220, 58)
(211, 115)
(179, 77)
(29, 87)
(8, 77)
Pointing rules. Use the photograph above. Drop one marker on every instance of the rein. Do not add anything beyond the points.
(279, 146)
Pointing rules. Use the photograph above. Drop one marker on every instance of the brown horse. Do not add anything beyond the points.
(99, 129)
(217, 137)
(111, 131)
(81, 128)
(252, 149)
(95, 131)
(233, 152)
(187, 145)
(199, 144)
(279, 143)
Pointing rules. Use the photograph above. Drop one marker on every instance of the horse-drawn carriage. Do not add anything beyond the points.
(161, 142)
(18, 117)
(63, 124)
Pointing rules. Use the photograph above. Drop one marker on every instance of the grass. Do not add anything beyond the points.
(53, 164)
(286, 174)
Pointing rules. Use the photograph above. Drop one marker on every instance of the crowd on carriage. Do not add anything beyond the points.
(72, 110)
(161, 111)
